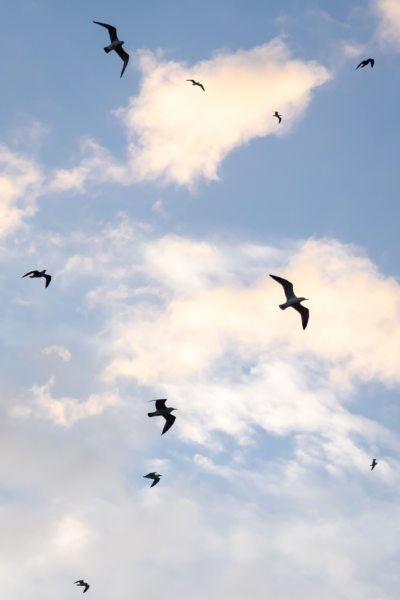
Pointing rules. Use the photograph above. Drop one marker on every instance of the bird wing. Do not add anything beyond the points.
(80, 581)
(305, 313)
(287, 286)
(280, 118)
(111, 30)
(156, 480)
(87, 586)
(150, 475)
(30, 273)
(192, 80)
(48, 279)
(169, 421)
(360, 65)
(202, 86)
(125, 57)
(160, 404)
(372, 61)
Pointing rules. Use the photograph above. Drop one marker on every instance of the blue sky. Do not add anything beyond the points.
(159, 210)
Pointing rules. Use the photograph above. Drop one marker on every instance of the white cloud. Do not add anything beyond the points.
(178, 133)
(388, 12)
(66, 411)
(20, 183)
(60, 351)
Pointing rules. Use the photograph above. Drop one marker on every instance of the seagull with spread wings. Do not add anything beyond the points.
(278, 116)
(116, 44)
(197, 83)
(163, 411)
(373, 464)
(292, 300)
(82, 583)
(35, 274)
(365, 62)
(155, 476)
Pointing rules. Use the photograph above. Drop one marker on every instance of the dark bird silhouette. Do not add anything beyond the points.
(163, 411)
(82, 583)
(293, 300)
(116, 44)
(373, 464)
(197, 83)
(155, 476)
(365, 62)
(278, 116)
(35, 274)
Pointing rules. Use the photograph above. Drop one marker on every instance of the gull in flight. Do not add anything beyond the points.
(83, 583)
(373, 464)
(116, 44)
(364, 63)
(35, 274)
(163, 411)
(293, 300)
(278, 116)
(155, 476)
(197, 83)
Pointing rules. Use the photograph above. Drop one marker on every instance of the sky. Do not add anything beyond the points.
(160, 210)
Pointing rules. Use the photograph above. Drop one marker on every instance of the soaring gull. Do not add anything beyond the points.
(278, 116)
(82, 583)
(373, 464)
(35, 274)
(155, 476)
(163, 411)
(365, 62)
(116, 44)
(293, 300)
(197, 83)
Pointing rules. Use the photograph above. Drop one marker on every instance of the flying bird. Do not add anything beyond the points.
(82, 583)
(278, 116)
(365, 62)
(155, 476)
(373, 464)
(293, 300)
(116, 44)
(163, 411)
(35, 274)
(197, 83)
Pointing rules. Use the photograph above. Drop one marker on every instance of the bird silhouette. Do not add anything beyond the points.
(278, 116)
(82, 583)
(373, 464)
(116, 44)
(155, 476)
(35, 274)
(197, 83)
(365, 62)
(292, 300)
(163, 411)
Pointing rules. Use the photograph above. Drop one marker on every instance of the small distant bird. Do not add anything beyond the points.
(364, 63)
(116, 44)
(278, 116)
(155, 476)
(293, 300)
(163, 411)
(34, 274)
(373, 464)
(197, 83)
(83, 583)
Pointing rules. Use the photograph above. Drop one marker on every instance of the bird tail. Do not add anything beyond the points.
(107, 49)
(151, 414)
(282, 306)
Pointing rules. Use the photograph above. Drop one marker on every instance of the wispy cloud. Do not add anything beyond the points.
(60, 351)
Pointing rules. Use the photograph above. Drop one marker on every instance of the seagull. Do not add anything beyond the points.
(364, 63)
(34, 274)
(278, 116)
(155, 476)
(163, 411)
(116, 44)
(197, 83)
(293, 300)
(83, 583)
(373, 464)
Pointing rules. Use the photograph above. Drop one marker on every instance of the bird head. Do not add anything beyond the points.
(301, 299)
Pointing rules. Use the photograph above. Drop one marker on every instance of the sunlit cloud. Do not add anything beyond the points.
(388, 12)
